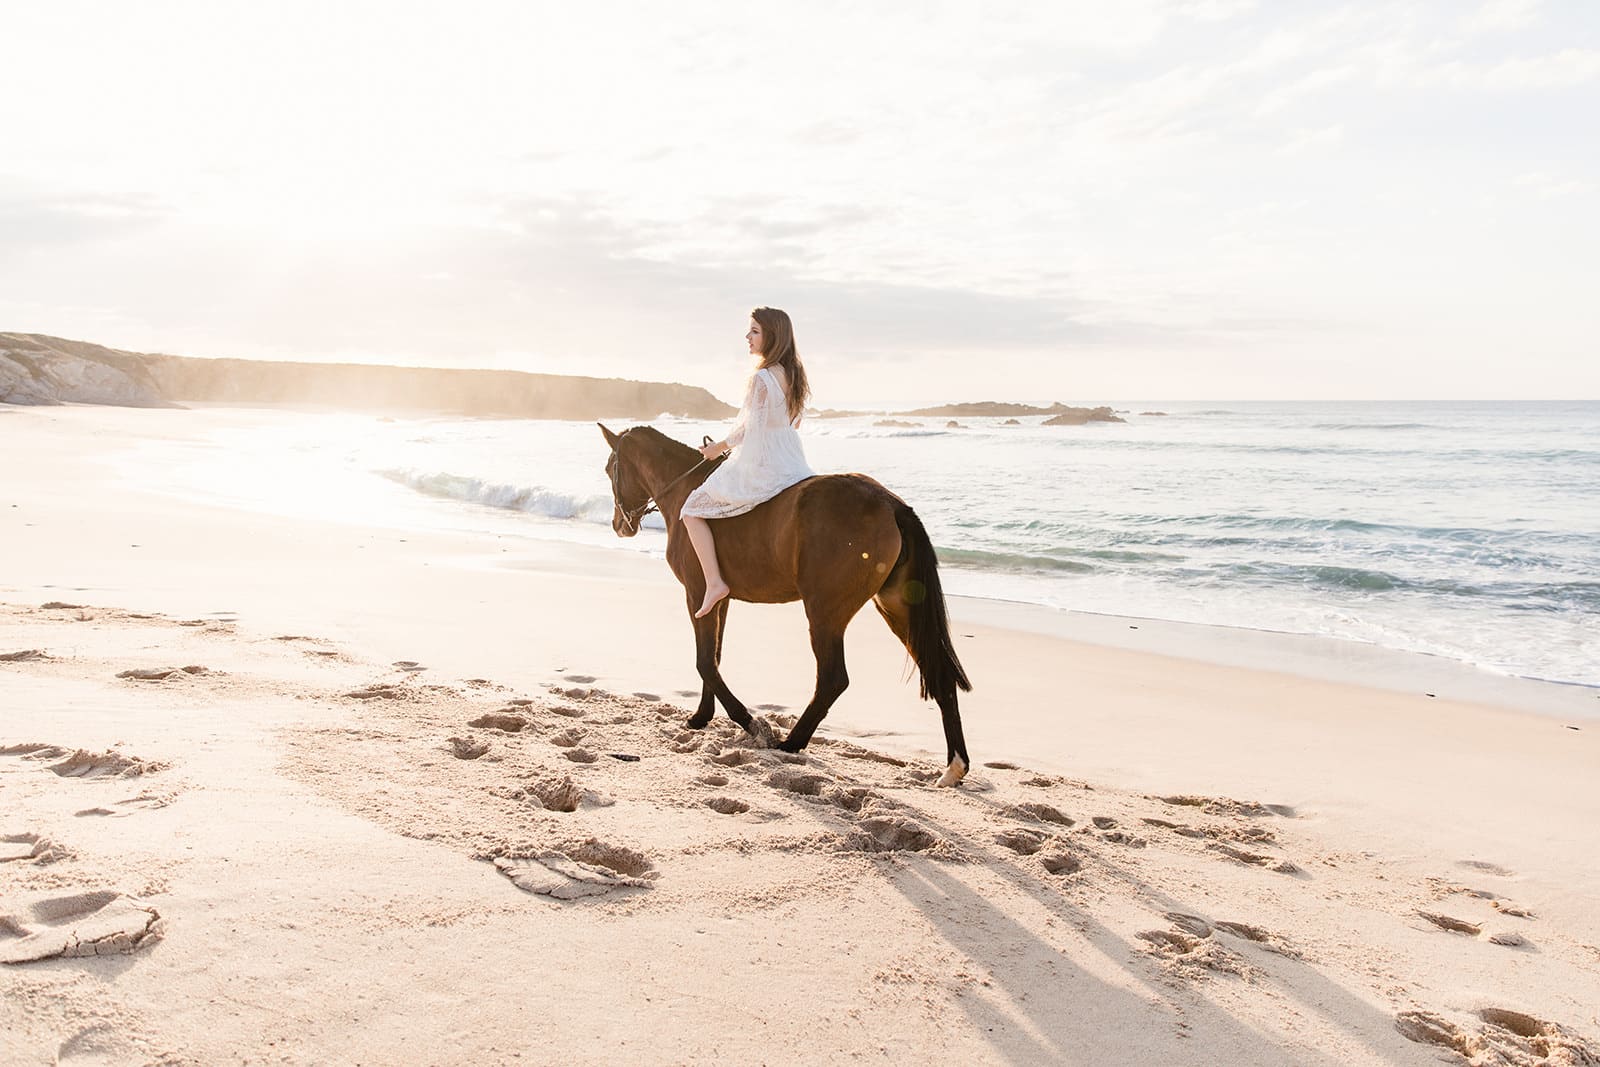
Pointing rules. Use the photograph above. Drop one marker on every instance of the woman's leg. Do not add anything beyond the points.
(705, 548)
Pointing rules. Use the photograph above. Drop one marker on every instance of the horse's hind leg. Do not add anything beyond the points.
(897, 613)
(827, 643)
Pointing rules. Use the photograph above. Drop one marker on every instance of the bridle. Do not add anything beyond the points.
(633, 517)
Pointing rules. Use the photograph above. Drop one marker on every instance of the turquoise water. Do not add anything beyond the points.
(1464, 530)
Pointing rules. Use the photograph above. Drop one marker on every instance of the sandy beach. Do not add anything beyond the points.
(288, 790)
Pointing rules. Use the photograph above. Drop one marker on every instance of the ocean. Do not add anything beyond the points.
(1464, 530)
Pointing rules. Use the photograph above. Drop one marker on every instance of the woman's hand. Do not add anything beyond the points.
(714, 450)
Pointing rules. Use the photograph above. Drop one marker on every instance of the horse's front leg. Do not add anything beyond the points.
(708, 656)
(705, 661)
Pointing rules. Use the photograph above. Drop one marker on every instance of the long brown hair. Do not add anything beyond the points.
(778, 350)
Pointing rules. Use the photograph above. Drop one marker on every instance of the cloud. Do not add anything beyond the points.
(1323, 139)
(30, 221)
(1499, 15)
(1570, 66)
(1547, 185)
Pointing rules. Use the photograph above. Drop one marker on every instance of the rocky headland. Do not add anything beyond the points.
(38, 369)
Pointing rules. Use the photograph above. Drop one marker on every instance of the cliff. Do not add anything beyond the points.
(35, 369)
(464, 392)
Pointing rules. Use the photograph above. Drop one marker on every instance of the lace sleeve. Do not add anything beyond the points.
(752, 417)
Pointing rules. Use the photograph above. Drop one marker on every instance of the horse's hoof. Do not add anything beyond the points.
(954, 773)
(698, 721)
(788, 745)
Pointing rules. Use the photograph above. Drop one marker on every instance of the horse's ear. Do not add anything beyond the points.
(611, 438)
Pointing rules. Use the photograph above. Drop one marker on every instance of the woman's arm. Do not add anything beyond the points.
(755, 402)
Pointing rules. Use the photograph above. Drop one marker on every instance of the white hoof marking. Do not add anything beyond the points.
(954, 773)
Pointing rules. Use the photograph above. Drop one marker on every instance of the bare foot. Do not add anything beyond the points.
(714, 593)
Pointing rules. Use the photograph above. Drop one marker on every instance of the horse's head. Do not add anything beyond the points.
(629, 497)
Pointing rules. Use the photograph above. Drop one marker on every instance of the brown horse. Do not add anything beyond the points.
(833, 541)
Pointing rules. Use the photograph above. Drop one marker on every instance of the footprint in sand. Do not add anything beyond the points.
(101, 923)
(504, 721)
(1499, 1035)
(727, 806)
(1487, 868)
(123, 808)
(568, 737)
(716, 781)
(580, 755)
(377, 691)
(84, 764)
(581, 679)
(24, 656)
(31, 848)
(1192, 925)
(849, 751)
(1002, 765)
(1507, 938)
(1189, 954)
(1229, 806)
(890, 833)
(1510, 939)
(587, 869)
(803, 783)
(854, 798)
(1037, 813)
(410, 666)
(1265, 939)
(468, 747)
(1512, 910)
(1022, 842)
(164, 674)
(33, 750)
(560, 793)
(1060, 863)
(1455, 926)
(1253, 859)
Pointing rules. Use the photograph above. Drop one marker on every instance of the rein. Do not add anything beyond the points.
(633, 517)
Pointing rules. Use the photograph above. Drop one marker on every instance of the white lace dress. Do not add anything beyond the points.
(767, 456)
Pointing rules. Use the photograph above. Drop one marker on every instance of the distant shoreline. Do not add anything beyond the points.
(39, 370)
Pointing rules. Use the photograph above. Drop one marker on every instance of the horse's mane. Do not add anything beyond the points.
(656, 437)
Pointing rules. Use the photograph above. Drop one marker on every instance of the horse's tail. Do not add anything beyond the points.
(929, 642)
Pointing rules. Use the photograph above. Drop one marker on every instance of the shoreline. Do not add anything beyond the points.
(1321, 657)
(1325, 657)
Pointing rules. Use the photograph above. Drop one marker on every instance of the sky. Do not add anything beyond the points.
(1077, 201)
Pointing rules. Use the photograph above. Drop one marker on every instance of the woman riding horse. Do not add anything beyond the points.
(831, 541)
